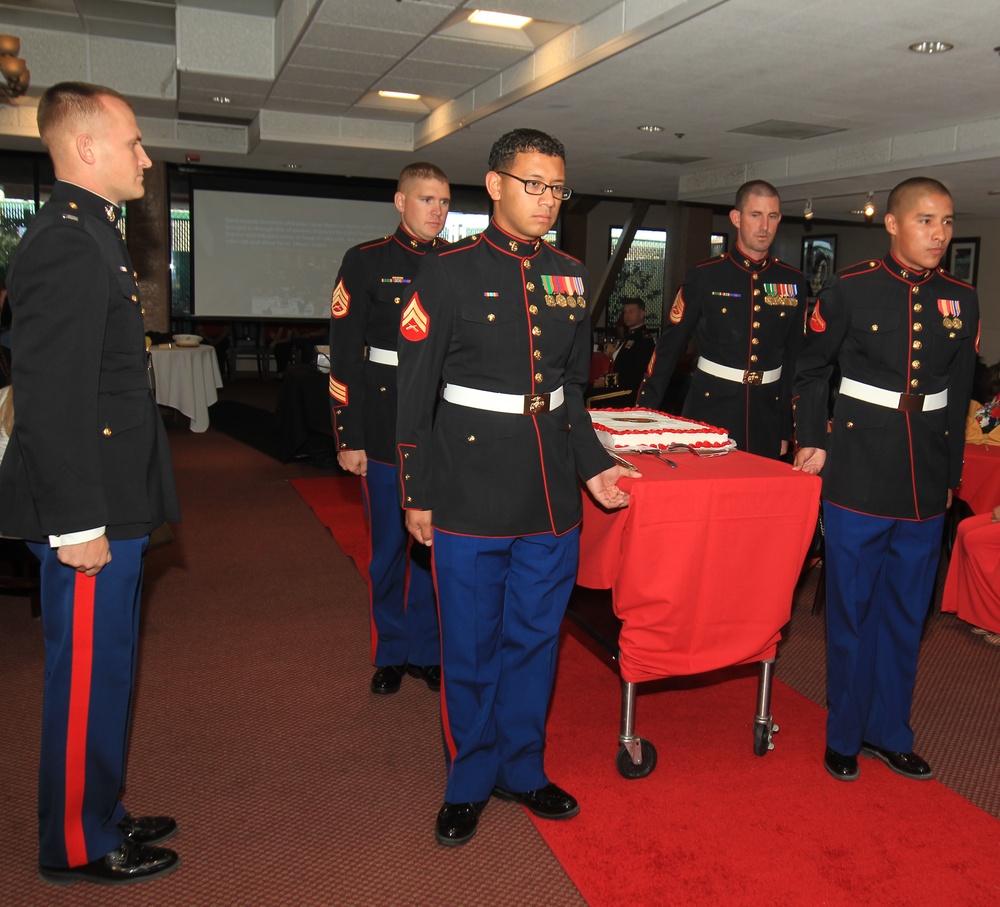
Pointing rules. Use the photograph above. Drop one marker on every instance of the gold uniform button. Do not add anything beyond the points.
(951, 335)
(142, 310)
(406, 476)
(533, 309)
(756, 307)
(753, 358)
(917, 345)
(874, 327)
(406, 456)
(409, 500)
(724, 310)
(527, 265)
(107, 432)
(756, 292)
(530, 287)
(338, 412)
(537, 354)
(850, 425)
(536, 331)
(572, 317)
(917, 326)
(916, 290)
(135, 298)
(756, 324)
(915, 363)
(538, 377)
(754, 341)
(917, 307)
(343, 445)
(491, 317)
(471, 438)
(755, 273)
(396, 300)
(381, 390)
(914, 383)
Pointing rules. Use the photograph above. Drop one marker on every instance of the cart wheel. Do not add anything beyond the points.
(762, 738)
(628, 769)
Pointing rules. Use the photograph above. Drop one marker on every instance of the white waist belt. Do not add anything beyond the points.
(517, 404)
(907, 403)
(382, 357)
(734, 374)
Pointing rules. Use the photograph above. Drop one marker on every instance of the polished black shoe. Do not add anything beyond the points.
(429, 674)
(148, 829)
(909, 765)
(127, 864)
(549, 802)
(388, 678)
(457, 823)
(843, 768)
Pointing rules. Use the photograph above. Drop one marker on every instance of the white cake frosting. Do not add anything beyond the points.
(645, 429)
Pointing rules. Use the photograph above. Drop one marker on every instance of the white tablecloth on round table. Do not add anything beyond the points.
(186, 380)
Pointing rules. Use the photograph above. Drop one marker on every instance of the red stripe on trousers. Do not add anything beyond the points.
(79, 710)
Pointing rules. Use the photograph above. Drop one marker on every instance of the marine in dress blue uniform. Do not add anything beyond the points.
(85, 479)
(491, 475)
(747, 311)
(365, 309)
(904, 333)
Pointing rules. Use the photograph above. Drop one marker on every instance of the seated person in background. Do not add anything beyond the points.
(972, 589)
(630, 359)
(983, 423)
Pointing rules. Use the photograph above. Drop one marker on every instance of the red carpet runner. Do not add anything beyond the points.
(714, 824)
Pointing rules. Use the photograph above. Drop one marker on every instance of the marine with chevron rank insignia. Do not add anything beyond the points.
(366, 307)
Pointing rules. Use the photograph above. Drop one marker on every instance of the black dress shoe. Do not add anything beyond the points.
(148, 829)
(127, 864)
(843, 768)
(430, 674)
(909, 765)
(549, 802)
(388, 678)
(457, 823)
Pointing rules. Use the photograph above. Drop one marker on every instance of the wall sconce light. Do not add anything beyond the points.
(16, 77)
(808, 212)
(869, 209)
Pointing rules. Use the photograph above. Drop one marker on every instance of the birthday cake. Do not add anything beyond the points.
(647, 429)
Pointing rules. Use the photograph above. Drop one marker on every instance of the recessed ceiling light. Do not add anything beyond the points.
(649, 128)
(931, 47)
(608, 191)
(399, 95)
(292, 166)
(221, 99)
(498, 20)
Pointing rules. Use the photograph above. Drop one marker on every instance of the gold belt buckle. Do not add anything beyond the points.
(911, 403)
(535, 404)
(753, 377)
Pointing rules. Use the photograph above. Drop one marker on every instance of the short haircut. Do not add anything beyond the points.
(634, 300)
(523, 141)
(754, 187)
(420, 170)
(65, 100)
(915, 185)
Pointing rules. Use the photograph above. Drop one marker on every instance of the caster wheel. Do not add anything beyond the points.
(628, 769)
(762, 738)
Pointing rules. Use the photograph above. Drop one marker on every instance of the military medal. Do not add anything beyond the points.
(110, 212)
(951, 309)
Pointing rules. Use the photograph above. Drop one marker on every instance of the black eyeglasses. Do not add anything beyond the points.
(537, 187)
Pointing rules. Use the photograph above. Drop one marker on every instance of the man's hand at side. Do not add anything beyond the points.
(87, 557)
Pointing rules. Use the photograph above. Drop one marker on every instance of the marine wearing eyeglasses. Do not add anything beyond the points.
(490, 473)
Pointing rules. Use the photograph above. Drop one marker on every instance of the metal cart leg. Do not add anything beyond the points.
(763, 726)
(637, 757)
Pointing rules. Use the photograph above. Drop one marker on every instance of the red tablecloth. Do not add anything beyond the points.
(980, 487)
(703, 562)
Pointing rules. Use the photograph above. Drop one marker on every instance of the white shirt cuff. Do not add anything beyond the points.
(76, 538)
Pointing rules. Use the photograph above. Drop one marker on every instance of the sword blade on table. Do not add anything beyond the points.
(621, 461)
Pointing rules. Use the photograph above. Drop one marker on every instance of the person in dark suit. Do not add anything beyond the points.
(747, 310)
(904, 333)
(364, 325)
(631, 358)
(85, 479)
(491, 475)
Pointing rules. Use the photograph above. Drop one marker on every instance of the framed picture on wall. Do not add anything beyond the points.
(963, 258)
(819, 261)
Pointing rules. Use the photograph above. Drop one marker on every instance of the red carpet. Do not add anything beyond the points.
(714, 824)
(338, 506)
